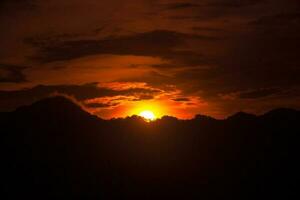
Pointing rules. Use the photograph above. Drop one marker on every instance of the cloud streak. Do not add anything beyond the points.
(12, 74)
(161, 43)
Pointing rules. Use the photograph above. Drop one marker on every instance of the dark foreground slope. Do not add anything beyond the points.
(54, 148)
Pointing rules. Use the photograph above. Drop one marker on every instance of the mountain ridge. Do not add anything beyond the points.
(62, 104)
(62, 151)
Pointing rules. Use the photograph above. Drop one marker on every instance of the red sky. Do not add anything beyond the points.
(179, 58)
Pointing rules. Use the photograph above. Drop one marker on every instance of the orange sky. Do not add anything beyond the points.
(179, 58)
(160, 102)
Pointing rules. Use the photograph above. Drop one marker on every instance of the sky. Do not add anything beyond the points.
(181, 58)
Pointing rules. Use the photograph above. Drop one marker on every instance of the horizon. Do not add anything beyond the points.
(54, 148)
(73, 101)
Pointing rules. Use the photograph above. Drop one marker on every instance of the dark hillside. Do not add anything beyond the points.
(54, 148)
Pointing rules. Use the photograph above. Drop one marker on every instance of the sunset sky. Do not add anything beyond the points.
(173, 57)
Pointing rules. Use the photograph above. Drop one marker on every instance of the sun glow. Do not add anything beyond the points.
(148, 115)
(149, 110)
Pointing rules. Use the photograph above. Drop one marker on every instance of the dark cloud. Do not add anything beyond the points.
(260, 93)
(12, 74)
(17, 4)
(100, 105)
(11, 99)
(213, 3)
(185, 60)
(189, 17)
(264, 58)
(278, 20)
(166, 66)
(201, 74)
(219, 9)
(175, 6)
(184, 99)
(253, 58)
(233, 3)
(99, 29)
(265, 55)
(152, 78)
(155, 43)
(209, 29)
(203, 16)
(80, 92)
(144, 97)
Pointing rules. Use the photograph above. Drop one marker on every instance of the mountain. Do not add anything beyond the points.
(53, 148)
(241, 116)
(57, 108)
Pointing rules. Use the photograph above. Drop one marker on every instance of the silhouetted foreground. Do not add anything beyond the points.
(54, 148)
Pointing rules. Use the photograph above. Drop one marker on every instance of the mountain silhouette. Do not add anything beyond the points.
(241, 116)
(54, 148)
(54, 108)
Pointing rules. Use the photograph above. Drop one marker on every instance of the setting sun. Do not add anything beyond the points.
(148, 115)
(150, 110)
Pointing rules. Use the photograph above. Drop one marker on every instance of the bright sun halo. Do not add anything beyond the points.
(148, 115)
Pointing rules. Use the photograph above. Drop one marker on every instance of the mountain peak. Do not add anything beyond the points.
(281, 113)
(242, 116)
(55, 102)
(56, 107)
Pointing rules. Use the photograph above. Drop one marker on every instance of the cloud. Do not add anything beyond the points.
(162, 43)
(208, 29)
(80, 92)
(12, 74)
(233, 3)
(181, 99)
(182, 5)
(260, 93)
(144, 97)
(98, 105)
(222, 10)
(212, 3)
(263, 56)
(17, 4)
(11, 99)
(282, 19)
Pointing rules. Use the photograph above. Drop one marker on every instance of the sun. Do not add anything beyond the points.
(148, 115)
(149, 110)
